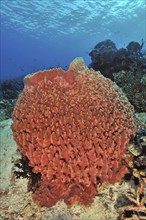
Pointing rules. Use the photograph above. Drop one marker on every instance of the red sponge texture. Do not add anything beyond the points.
(74, 128)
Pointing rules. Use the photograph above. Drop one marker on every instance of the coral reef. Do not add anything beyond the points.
(134, 87)
(125, 66)
(138, 149)
(137, 176)
(103, 56)
(6, 108)
(74, 128)
(108, 59)
(137, 210)
(9, 91)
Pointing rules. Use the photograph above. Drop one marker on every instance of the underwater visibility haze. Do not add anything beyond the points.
(39, 34)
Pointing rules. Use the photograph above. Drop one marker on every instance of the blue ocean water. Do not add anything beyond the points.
(39, 34)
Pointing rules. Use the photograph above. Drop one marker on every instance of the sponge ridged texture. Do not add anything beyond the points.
(74, 128)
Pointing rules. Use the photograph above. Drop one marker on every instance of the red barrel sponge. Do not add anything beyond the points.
(74, 127)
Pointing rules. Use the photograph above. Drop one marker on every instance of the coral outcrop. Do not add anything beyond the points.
(108, 59)
(9, 91)
(125, 66)
(134, 87)
(74, 127)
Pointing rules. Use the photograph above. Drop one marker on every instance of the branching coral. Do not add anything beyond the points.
(138, 208)
(74, 128)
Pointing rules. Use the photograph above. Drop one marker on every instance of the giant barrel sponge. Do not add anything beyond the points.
(74, 127)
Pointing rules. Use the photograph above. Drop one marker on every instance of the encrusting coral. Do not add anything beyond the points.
(74, 128)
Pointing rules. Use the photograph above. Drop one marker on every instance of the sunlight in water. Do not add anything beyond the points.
(69, 17)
